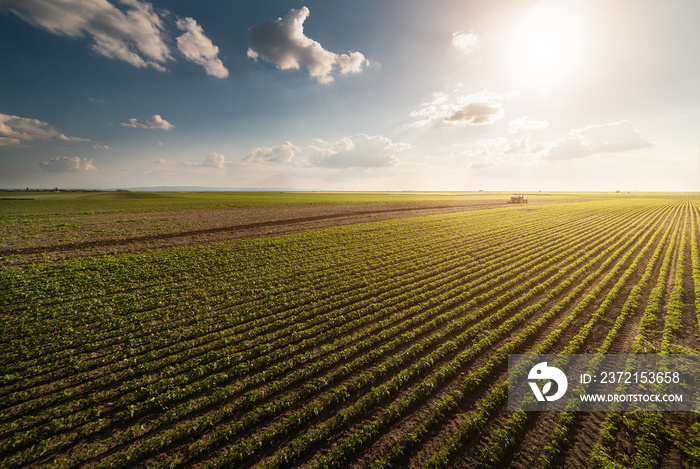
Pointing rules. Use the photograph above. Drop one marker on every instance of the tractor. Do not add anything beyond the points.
(517, 199)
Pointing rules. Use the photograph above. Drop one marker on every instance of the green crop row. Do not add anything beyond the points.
(406, 338)
(209, 371)
(365, 434)
(553, 448)
(471, 425)
(312, 348)
(159, 313)
(649, 426)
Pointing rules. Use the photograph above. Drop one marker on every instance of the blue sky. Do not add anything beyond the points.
(364, 95)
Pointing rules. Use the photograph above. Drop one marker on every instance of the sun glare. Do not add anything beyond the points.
(547, 44)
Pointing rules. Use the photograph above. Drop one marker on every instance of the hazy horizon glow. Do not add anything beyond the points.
(561, 95)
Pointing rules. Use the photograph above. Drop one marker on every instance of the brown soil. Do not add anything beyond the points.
(539, 426)
(187, 227)
(203, 226)
(438, 437)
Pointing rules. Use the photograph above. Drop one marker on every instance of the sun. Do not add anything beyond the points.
(548, 43)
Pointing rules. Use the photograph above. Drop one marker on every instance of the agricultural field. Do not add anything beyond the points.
(333, 330)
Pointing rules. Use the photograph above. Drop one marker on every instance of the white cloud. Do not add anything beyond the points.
(537, 147)
(67, 164)
(358, 151)
(518, 146)
(214, 160)
(483, 107)
(352, 62)
(506, 146)
(498, 153)
(283, 43)
(155, 122)
(464, 41)
(476, 113)
(136, 34)
(526, 123)
(569, 148)
(608, 138)
(283, 154)
(619, 136)
(14, 130)
(198, 48)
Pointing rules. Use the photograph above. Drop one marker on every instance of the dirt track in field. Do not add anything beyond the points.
(186, 227)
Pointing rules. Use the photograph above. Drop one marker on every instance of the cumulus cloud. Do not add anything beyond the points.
(136, 34)
(14, 130)
(507, 146)
(198, 48)
(483, 107)
(619, 136)
(283, 154)
(164, 161)
(518, 146)
(498, 152)
(356, 151)
(214, 160)
(464, 41)
(155, 122)
(283, 43)
(608, 138)
(526, 123)
(476, 113)
(67, 164)
(568, 149)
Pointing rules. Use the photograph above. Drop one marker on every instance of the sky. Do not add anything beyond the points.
(555, 95)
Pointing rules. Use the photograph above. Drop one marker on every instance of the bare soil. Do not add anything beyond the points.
(128, 232)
